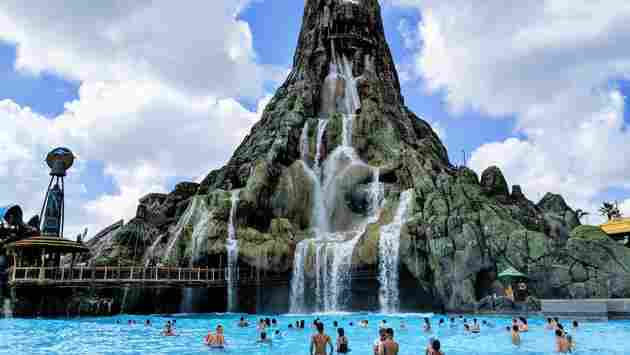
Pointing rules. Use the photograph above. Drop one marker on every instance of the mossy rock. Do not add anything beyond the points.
(589, 233)
(366, 251)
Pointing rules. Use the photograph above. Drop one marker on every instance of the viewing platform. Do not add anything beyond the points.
(83, 276)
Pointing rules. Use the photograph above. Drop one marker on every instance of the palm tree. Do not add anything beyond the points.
(610, 210)
(581, 214)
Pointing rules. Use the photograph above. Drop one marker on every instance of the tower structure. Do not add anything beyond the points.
(52, 214)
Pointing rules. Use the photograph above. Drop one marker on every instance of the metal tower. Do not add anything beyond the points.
(52, 214)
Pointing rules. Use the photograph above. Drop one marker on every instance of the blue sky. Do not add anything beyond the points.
(143, 97)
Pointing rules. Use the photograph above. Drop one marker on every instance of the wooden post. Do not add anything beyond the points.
(41, 269)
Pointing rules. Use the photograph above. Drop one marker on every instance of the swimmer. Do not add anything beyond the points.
(562, 345)
(475, 326)
(516, 337)
(263, 339)
(342, 342)
(382, 335)
(466, 328)
(242, 323)
(575, 324)
(147, 323)
(351, 324)
(549, 324)
(427, 325)
(168, 330)
(290, 326)
(335, 324)
(441, 323)
(219, 339)
(452, 323)
(522, 326)
(571, 342)
(389, 346)
(383, 324)
(434, 348)
(277, 335)
(319, 341)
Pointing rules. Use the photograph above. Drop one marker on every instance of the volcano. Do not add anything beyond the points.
(340, 178)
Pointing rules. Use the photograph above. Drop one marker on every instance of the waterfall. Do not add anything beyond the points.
(304, 146)
(297, 281)
(321, 129)
(389, 252)
(7, 308)
(332, 257)
(232, 254)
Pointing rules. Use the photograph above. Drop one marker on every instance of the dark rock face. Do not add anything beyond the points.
(493, 183)
(461, 231)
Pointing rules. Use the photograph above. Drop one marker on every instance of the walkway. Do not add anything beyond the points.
(80, 276)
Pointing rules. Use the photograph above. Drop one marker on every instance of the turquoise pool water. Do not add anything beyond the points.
(105, 336)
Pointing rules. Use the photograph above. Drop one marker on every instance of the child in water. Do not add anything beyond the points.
(516, 337)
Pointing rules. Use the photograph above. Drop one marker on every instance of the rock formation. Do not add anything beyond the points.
(458, 231)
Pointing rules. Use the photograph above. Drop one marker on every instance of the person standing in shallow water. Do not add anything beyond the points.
(319, 341)
(342, 342)
(389, 346)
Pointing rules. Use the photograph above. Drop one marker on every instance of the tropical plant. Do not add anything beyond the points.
(581, 214)
(610, 210)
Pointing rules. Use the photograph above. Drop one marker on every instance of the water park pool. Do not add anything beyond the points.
(107, 336)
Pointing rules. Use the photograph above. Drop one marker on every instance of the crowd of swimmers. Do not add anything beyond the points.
(385, 344)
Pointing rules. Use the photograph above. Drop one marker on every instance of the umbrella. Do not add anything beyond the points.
(512, 273)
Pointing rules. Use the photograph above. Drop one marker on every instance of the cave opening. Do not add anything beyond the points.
(484, 283)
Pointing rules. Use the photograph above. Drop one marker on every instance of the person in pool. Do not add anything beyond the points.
(475, 328)
(147, 323)
(549, 324)
(522, 325)
(575, 324)
(335, 324)
(277, 334)
(434, 347)
(389, 346)
(319, 341)
(342, 342)
(383, 324)
(382, 335)
(242, 323)
(441, 323)
(452, 323)
(168, 330)
(516, 337)
(274, 323)
(427, 325)
(562, 344)
(263, 339)
(219, 338)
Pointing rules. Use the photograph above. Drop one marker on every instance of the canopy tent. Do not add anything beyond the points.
(512, 273)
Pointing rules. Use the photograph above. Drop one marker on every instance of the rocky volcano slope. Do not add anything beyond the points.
(461, 229)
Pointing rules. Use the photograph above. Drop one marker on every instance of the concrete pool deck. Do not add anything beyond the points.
(595, 308)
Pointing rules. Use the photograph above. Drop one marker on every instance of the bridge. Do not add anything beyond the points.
(104, 277)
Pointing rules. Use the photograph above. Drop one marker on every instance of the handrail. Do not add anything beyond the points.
(126, 274)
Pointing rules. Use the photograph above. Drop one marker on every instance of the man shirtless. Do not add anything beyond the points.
(562, 344)
(389, 346)
(319, 341)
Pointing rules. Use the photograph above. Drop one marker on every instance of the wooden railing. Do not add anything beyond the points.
(201, 277)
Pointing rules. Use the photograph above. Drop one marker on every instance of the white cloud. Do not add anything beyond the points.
(158, 98)
(182, 45)
(547, 63)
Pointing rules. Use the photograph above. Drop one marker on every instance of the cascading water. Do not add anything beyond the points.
(232, 255)
(7, 308)
(389, 261)
(332, 249)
